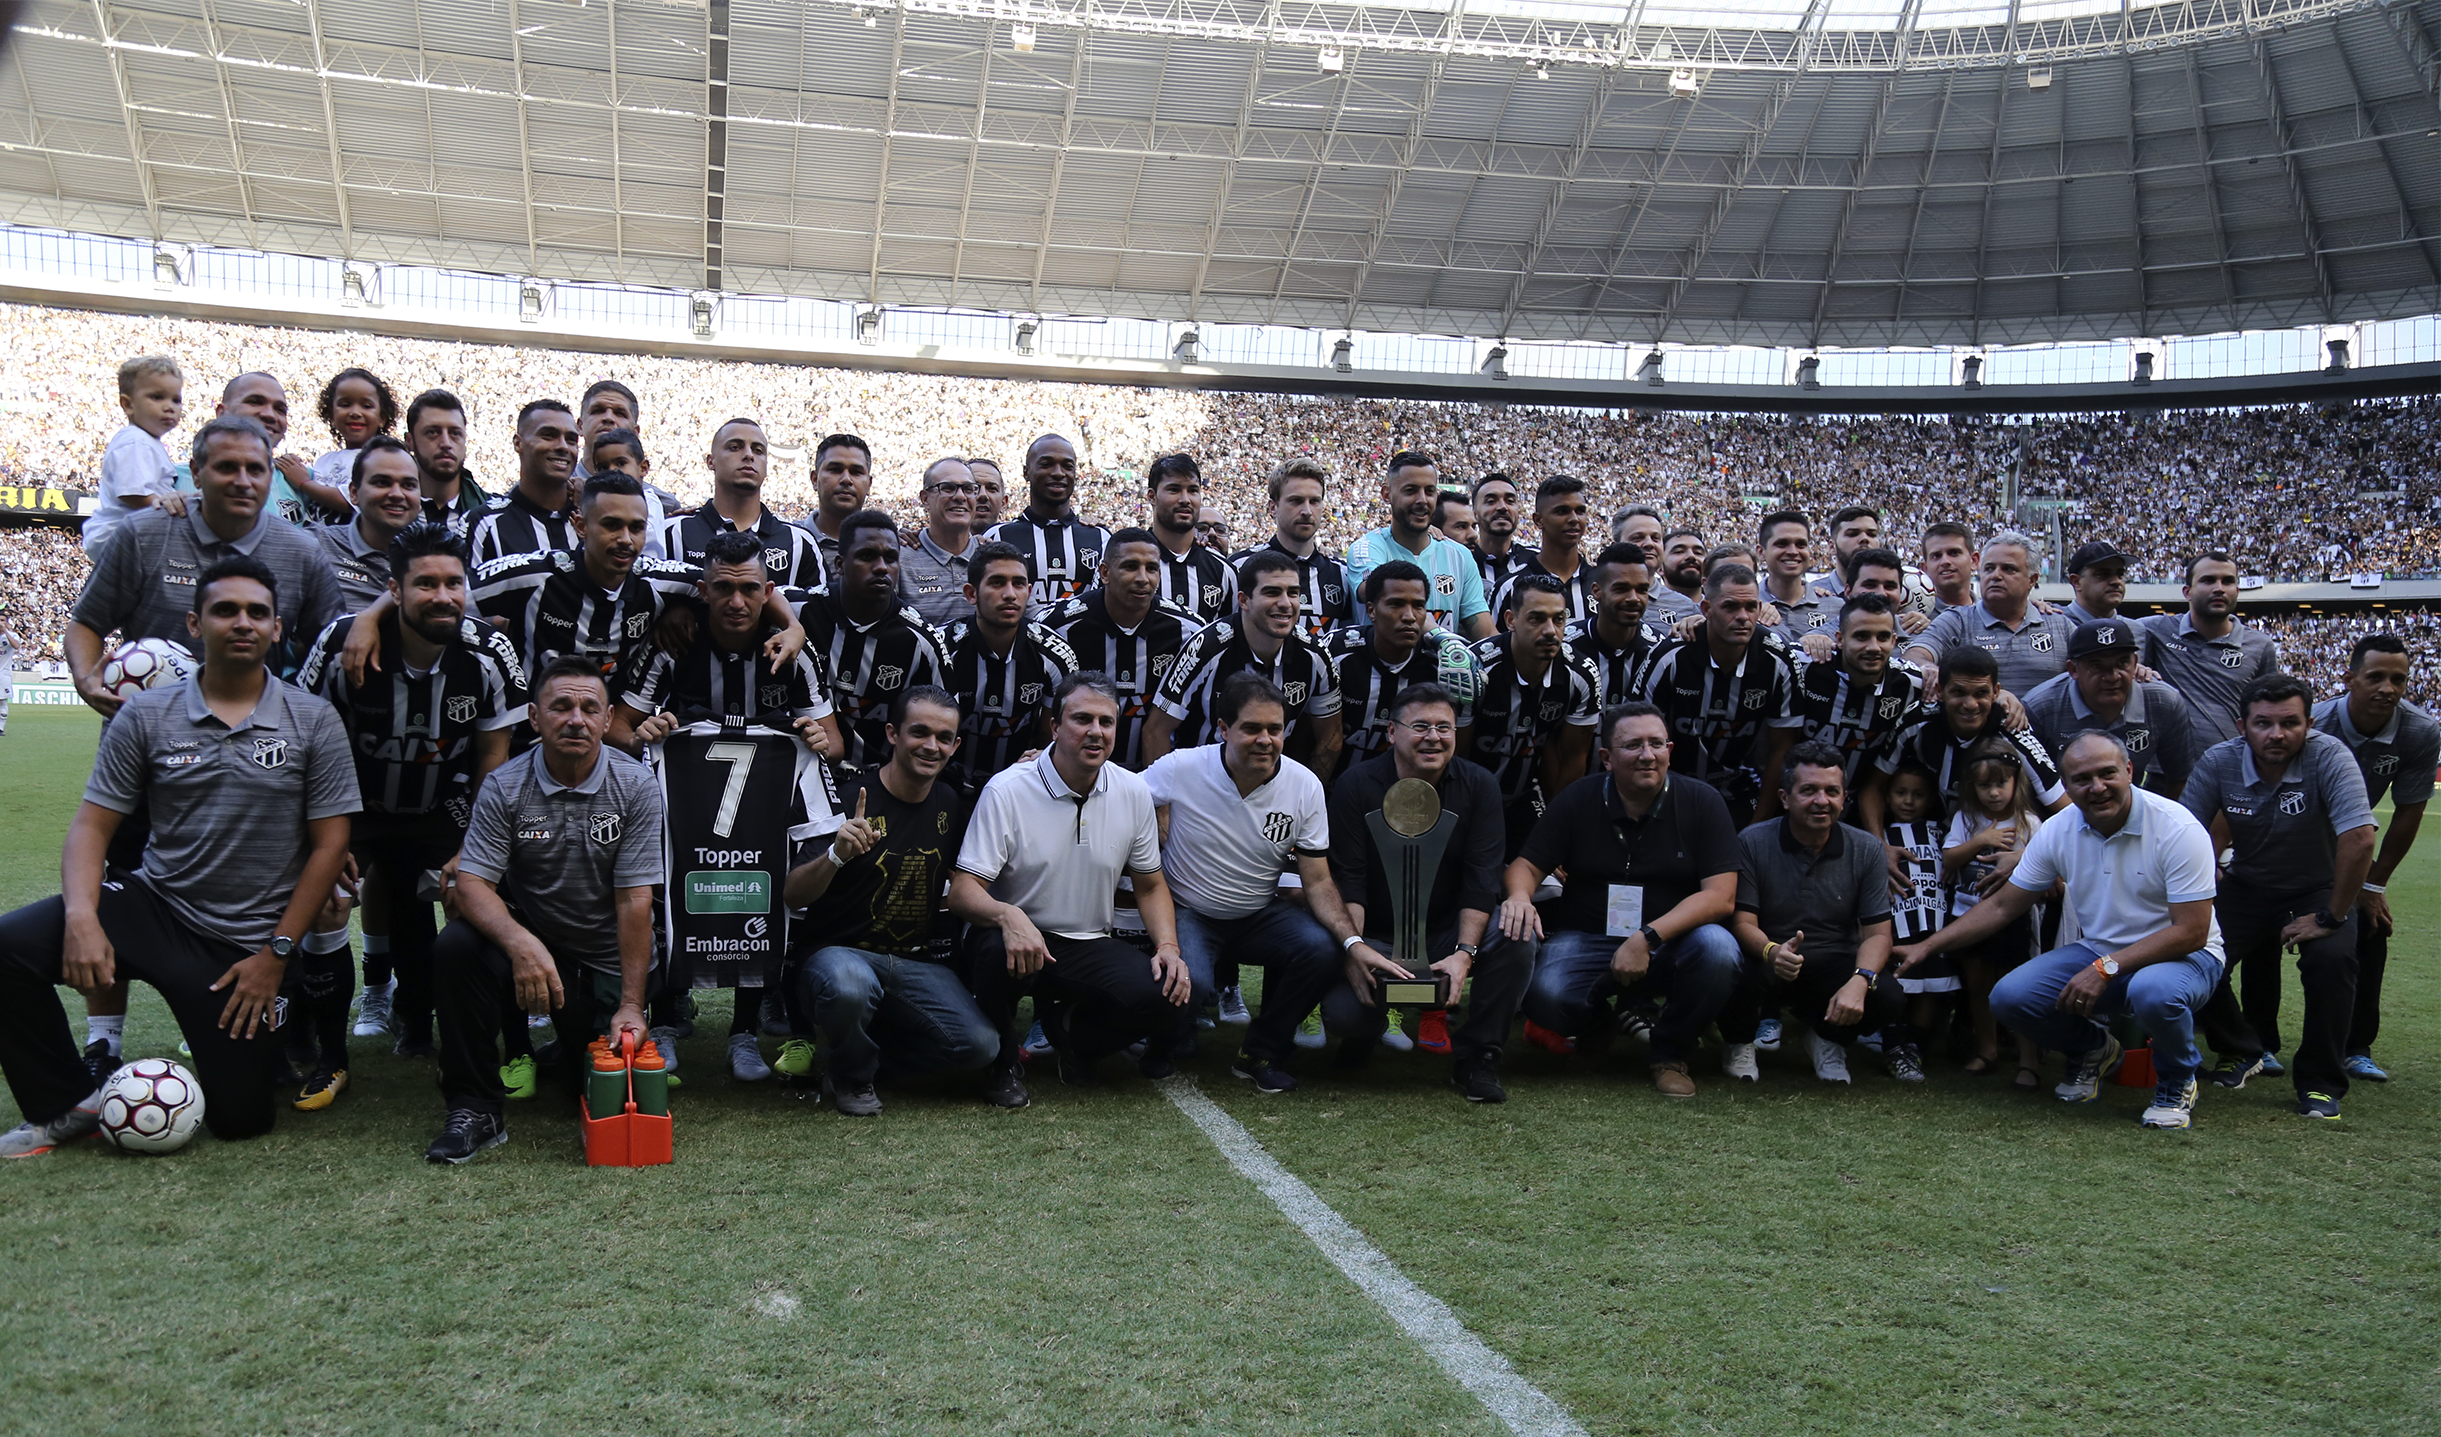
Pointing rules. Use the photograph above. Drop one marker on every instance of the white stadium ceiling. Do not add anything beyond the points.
(1798, 172)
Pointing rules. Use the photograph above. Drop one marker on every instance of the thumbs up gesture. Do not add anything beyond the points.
(1786, 961)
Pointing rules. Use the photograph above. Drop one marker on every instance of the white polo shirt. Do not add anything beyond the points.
(2122, 886)
(1226, 852)
(1057, 859)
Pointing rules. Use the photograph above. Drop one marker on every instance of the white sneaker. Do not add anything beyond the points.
(373, 1011)
(1233, 1007)
(2084, 1081)
(1830, 1059)
(544, 1020)
(746, 1059)
(1737, 1060)
(2172, 1106)
(1309, 1032)
(1394, 1037)
(666, 1039)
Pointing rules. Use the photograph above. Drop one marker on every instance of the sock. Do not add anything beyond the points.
(747, 1016)
(332, 942)
(111, 1030)
(376, 960)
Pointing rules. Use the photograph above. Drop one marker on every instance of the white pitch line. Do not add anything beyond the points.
(1520, 1405)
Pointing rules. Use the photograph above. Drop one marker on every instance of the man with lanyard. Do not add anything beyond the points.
(294, 494)
(1193, 577)
(1263, 636)
(2205, 653)
(1728, 696)
(1234, 816)
(249, 787)
(1324, 591)
(1650, 878)
(2097, 575)
(932, 570)
(1969, 709)
(843, 477)
(1400, 646)
(1806, 608)
(1497, 552)
(1043, 856)
(2140, 879)
(1681, 592)
(1859, 703)
(2397, 746)
(2031, 645)
(1004, 666)
(740, 460)
(382, 486)
(2101, 690)
(1615, 639)
(1535, 715)
(1061, 549)
(871, 644)
(1813, 914)
(436, 435)
(1561, 515)
(536, 517)
(1123, 629)
(1410, 490)
(2290, 802)
(430, 721)
(722, 672)
(562, 836)
(872, 984)
(1459, 901)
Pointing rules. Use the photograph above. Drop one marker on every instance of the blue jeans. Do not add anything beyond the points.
(868, 1006)
(1295, 952)
(2164, 997)
(1695, 974)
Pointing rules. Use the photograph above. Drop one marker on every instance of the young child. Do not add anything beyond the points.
(356, 405)
(136, 468)
(1912, 806)
(1995, 817)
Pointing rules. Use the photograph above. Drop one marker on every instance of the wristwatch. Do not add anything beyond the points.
(282, 947)
(1872, 979)
(1652, 938)
(2108, 964)
(2323, 917)
(1470, 949)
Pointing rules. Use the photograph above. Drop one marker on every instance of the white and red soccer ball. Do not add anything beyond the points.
(141, 664)
(151, 1105)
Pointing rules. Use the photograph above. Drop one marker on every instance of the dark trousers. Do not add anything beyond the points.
(1695, 977)
(394, 851)
(1808, 995)
(2250, 934)
(1295, 952)
(46, 1069)
(877, 1011)
(1102, 989)
(473, 987)
(1494, 989)
(2372, 961)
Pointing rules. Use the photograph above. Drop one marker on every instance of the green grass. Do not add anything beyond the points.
(1783, 1258)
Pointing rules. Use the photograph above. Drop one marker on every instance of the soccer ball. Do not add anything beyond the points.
(141, 664)
(152, 1105)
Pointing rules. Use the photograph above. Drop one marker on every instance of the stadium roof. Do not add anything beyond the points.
(1783, 172)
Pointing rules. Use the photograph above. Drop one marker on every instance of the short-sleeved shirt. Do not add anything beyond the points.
(553, 607)
(888, 898)
(1063, 554)
(1862, 720)
(515, 524)
(415, 732)
(1518, 719)
(933, 580)
(361, 571)
(1499, 568)
(1816, 611)
(1058, 855)
(1469, 876)
(2285, 833)
(1621, 670)
(1227, 850)
(1004, 700)
(2398, 761)
(1672, 607)
(1830, 896)
(561, 854)
(1302, 670)
(1368, 683)
(229, 804)
(1717, 715)
(1136, 659)
(145, 588)
(1579, 586)
(1200, 582)
(2210, 673)
(791, 559)
(1454, 593)
(1665, 855)
(2034, 651)
(1325, 598)
(2157, 726)
(870, 665)
(1941, 750)
(2121, 887)
(133, 463)
(729, 683)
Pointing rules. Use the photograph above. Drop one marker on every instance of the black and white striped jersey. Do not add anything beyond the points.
(413, 733)
(553, 607)
(1301, 669)
(869, 667)
(1498, 571)
(1580, 587)
(1327, 600)
(1516, 718)
(1717, 715)
(1923, 908)
(1200, 582)
(1621, 670)
(1063, 555)
(1003, 699)
(708, 679)
(1368, 682)
(514, 526)
(1136, 659)
(790, 556)
(1863, 721)
(1931, 741)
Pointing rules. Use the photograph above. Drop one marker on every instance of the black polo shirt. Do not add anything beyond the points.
(1831, 896)
(1668, 853)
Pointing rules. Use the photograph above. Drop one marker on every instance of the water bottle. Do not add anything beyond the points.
(652, 1081)
(606, 1083)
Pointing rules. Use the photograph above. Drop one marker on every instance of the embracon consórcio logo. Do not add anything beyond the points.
(717, 891)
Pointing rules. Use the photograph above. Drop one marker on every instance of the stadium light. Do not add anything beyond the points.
(1022, 38)
(1970, 372)
(1185, 348)
(2039, 78)
(1809, 372)
(1649, 372)
(1342, 355)
(868, 326)
(699, 312)
(1496, 363)
(1685, 84)
(2144, 367)
(532, 294)
(2339, 356)
(1332, 62)
(1025, 336)
(169, 265)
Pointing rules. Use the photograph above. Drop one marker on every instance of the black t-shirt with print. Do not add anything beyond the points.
(888, 898)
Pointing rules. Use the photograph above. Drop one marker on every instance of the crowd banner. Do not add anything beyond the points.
(50, 506)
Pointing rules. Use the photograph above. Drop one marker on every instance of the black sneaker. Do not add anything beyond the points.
(468, 1133)
(1156, 1066)
(1478, 1078)
(1073, 1071)
(2318, 1105)
(1266, 1075)
(100, 1061)
(2232, 1073)
(1005, 1087)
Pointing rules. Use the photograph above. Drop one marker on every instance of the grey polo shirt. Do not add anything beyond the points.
(1817, 612)
(2209, 672)
(2286, 833)
(2398, 761)
(560, 854)
(1057, 859)
(229, 804)
(361, 571)
(143, 581)
(932, 580)
(2157, 727)
(2035, 650)
(1833, 895)
(1669, 606)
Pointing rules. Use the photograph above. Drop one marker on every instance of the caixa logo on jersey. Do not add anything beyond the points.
(604, 828)
(2292, 802)
(270, 752)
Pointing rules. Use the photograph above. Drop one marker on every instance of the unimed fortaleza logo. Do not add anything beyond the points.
(728, 891)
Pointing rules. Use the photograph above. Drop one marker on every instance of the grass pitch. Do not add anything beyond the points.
(1784, 1258)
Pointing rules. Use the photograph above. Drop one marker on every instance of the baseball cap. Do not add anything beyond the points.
(2102, 636)
(2097, 552)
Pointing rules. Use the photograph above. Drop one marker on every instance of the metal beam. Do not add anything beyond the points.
(1457, 212)
(881, 182)
(1428, 93)
(974, 160)
(1237, 152)
(228, 109)
(127, 113)
(1059, 162)
(2212, 187)
(330, 132)
(1642, 204)
(2277, 114)
(1991, 177)
(1915, 221)
(2135, 202)
(715, 141)
(1589, 125)
(1727, 199)
(1847, 206)
(2408, 39)
(1313, 180)
(525, 145)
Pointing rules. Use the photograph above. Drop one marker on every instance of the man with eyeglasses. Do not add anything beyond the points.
(932, 570)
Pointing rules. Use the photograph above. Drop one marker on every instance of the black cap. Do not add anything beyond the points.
(2097, 552)
(2102, 636)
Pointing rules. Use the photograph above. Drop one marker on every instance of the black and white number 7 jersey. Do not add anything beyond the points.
(553, 607)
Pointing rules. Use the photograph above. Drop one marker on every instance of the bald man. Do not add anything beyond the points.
(295, 493)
